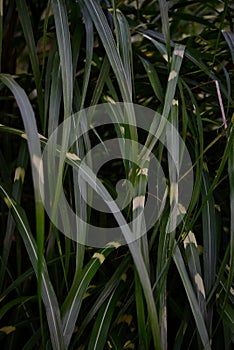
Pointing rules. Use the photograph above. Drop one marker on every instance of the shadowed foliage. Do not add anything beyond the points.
(163, 291)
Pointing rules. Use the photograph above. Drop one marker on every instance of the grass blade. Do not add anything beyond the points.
(29, 37)
(107, 290)
(125, 49)
(153, 78)
(1, 32)
(55, 96)
(35, 156)
(163, 5)
(89, 54)
(65, 53)
(100, 330)
(72, 304)
(107, 38)
(48, 295)
(16, 193)
(177, 59)
(229, 37)
(201, 327)
(210, 239)
(191, 250)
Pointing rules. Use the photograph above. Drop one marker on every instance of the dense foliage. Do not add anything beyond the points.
(164, 291)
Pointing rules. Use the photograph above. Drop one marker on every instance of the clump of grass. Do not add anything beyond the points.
(164, 290)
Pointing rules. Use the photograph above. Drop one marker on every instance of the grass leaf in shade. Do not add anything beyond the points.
(101, 326)
(21, 166)
(72, 304)
(190, 53)
(177, 59)
(153, 78)
(77, 32)
(102, 79)
(225, 302)
(149, 34)
(31, 45)
(17, 301)
(231, 181)
(148, 292)
(110, 285)
(47, 85)
(48, 295)
(89, 54)
(107, 38)
(192, 254)
(1, 32)
(229, 37)
(35, 156)
(140, 309)
(65, 53)
(55, 96)
(210, 239)
(125, 48)
(200, 323)
(163, 5)
(33, 342)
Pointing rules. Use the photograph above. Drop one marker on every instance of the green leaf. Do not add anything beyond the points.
(101, 326)
(65, 53)
(229, 37)
(107, 38)
(89, 54)
(192, 254)
(154, 79)
(210, 232)
(48, 294)
(35, 156)
(21, 165)
(29, 37)
(201, 327)
(1, 32)
(17, 301)
(72, 304)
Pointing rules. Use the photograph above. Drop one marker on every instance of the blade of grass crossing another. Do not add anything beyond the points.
(102, 324)
(105, 293)
(48, 295)
(72, 304)
(177, 59)
(201, 327)
(107, 38)
(65, 55)
(192, 254)
(117, 64)
(102, 78)
(22, 162)
(148, 292)
(35, 156)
